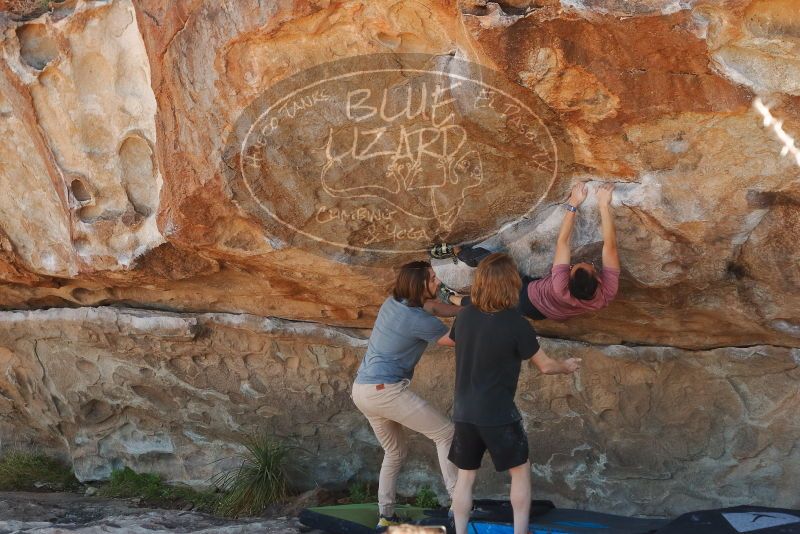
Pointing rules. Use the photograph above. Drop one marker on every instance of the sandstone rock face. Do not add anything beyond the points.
(639, 430)
(123, 111)
(190, 405)
(124, 149)
(88, 184)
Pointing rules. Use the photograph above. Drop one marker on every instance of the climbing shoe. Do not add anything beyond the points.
(443, 251)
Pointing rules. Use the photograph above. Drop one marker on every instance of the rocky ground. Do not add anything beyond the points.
(54, 513)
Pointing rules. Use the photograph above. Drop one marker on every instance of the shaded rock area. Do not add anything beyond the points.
(637, 430)
(52, 513)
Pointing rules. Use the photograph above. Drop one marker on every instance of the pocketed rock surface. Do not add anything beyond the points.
(637, 430)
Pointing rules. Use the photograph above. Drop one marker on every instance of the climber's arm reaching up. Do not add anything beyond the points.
(610, 253)
(576, 198)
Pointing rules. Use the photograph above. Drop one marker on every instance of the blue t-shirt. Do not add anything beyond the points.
(400, 336)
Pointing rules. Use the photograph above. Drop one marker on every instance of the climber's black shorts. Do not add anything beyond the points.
(525, 305)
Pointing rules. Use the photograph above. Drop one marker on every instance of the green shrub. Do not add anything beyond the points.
(260, 479)
(361, 492)
(27, 471)
(426, 498)
(127, 483)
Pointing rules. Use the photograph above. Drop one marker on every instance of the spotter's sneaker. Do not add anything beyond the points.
(386, 522)
(444, 293)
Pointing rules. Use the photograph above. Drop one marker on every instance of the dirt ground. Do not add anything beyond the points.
(57, 513)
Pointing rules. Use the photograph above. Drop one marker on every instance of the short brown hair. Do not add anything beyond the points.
(496, 285)
(412, 281)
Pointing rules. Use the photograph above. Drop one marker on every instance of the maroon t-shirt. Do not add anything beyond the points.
(551, 294)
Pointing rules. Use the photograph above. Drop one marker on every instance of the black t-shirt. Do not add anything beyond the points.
(490, 348)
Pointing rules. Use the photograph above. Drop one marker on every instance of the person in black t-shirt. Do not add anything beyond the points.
(492, 338)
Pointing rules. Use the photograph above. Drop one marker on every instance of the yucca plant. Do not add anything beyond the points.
(259, 481)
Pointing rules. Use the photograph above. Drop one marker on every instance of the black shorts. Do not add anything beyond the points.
(507, 445)
(525, 305)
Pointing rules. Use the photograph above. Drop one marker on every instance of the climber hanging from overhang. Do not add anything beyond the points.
(569, 290)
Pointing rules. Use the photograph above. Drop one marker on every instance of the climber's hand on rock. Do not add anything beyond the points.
(578, 194)
(604, 193)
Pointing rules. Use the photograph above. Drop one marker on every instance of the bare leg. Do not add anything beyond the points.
(462, 499)
(520, 496)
